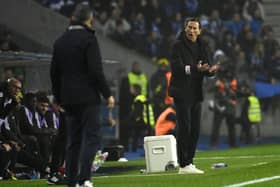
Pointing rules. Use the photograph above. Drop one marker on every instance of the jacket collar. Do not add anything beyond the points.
(74, 25)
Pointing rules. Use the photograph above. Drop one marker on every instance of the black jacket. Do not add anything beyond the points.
(181, 84)
(7, 103)
(76, 69)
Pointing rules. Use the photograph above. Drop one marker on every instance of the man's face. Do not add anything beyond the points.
(14, 89)
(192, 30)
(42, 107)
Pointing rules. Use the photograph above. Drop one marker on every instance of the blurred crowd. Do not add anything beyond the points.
(234, 29)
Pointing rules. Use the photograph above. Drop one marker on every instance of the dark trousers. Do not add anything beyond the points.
(33, 161)
(83, 140)
(230, 121)
(187, 129)
(59, 147)
(45, 145)
(7, 160)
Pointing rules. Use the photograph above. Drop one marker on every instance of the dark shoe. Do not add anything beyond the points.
(56, 179)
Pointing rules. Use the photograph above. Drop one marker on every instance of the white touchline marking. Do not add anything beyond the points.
(260, 163)
(237, 157)
(143, 175)
(253, 181)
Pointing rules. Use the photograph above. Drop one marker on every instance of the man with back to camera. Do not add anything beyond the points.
(77, 82)
(189, 64)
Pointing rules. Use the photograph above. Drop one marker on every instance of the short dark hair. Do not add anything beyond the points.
(82, 12)
(195, 19)
(42, 97)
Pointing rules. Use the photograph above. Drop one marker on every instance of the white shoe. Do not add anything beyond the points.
(190, 169)
(87, 184)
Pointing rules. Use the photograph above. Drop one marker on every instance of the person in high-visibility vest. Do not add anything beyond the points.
(159, 86)
(250, 116)
(166, 122)
(142, 119)
(126, 98)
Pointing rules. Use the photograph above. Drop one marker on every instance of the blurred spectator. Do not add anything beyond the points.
(224, 107)
(154, 43)
(177, 23)
(191, 7)
(159, 86)
(235, 24)
(138, 32)
(229, 8)
(250, 8)
(274, 65)
(117, 27)
(271, 45)
(100, 23)
(228, 43)
(215, 23)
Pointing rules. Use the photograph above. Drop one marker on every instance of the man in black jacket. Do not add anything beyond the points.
(189, 64)
(77, 82)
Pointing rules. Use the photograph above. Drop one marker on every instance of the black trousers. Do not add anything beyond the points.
(230, 121)
(187, 129)
(7, 160)
(59, 146)
(83, 141)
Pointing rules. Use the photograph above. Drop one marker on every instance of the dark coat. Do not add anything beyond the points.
(5, 108)
(76, 69)
(181, 84)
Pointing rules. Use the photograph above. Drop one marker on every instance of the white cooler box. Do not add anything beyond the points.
(160, 153)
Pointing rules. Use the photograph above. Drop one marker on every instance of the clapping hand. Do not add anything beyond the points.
(214, 68)
(110, 102)
(203, 67)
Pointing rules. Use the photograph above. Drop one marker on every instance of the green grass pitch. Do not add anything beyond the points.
(247, 166)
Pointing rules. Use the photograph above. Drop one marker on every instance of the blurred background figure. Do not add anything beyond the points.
(224, 106)
(166, 122)
(159, 86)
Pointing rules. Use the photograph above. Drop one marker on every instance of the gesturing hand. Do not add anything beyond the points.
(214, 68)
(203, 67)
(110, 102)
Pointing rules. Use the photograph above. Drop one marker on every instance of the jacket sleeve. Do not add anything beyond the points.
(55, 74)
(95, 69)
(177, 65)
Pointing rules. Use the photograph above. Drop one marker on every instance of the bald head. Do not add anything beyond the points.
(14, 87)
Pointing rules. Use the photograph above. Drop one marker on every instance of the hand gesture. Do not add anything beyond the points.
(7, 147)
(214, 68)
(110, 102)
(203, 67)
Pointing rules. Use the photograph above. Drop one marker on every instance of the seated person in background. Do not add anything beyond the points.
(10, 131)
(166, 122)
(46, 124)
(27, 122)
(141, 119)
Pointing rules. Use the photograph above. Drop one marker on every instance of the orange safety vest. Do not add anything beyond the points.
(168, 100)
(163, 125)
(233, 86)
(221, 85)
